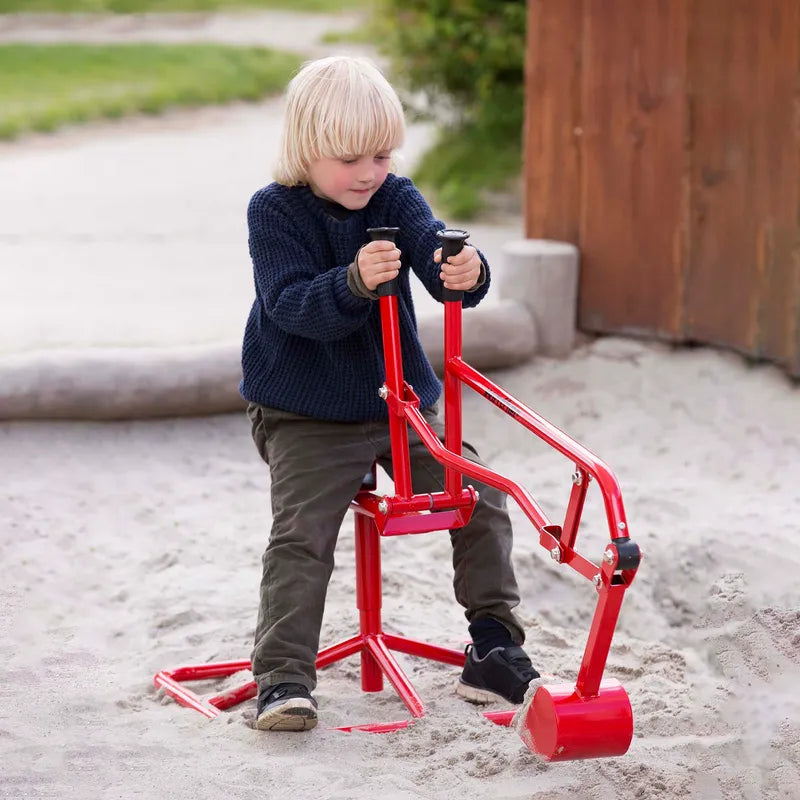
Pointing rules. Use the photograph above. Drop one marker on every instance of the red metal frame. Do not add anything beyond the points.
(592, 718)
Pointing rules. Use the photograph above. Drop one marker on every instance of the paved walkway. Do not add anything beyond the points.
(132, 233)
(287, 30)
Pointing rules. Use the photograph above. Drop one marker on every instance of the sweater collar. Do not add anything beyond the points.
(318, 208)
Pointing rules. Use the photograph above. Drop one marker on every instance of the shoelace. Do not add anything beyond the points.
(278, 692)
(522, 663)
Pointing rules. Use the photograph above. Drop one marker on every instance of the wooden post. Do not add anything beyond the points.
(553, 119)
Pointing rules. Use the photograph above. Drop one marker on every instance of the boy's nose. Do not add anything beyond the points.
(366, 174)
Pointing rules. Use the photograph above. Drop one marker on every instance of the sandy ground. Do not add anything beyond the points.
(132, 547)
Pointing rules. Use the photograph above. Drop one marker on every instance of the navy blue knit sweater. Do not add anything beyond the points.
(311, 346)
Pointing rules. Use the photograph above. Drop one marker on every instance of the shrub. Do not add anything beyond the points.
(465, 58)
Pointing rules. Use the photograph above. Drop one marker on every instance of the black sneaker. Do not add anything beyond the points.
(503, 673)
(286, 707)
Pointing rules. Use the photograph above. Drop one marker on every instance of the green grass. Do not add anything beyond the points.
(468, 161)
(132, 6)
(45, 86)
(363, 34)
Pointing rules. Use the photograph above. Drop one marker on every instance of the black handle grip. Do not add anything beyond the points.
(452, 243)
(388, 234)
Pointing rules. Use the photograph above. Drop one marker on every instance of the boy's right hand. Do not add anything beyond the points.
(378, 262)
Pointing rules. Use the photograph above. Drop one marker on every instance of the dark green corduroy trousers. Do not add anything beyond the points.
(316, 468)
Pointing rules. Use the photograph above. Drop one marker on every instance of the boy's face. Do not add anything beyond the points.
(349, 181)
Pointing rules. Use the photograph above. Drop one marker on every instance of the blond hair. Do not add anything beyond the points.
(336, 107)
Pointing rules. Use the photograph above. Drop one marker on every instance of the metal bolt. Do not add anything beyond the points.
(621, 526)
(576, 478)
(555, 554)
(383, 392)
(608, 556)
(597, 579)
(477, 495)
(383, 506)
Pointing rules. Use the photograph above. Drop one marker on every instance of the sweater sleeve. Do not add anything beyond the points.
(417, 240)
(293, 292)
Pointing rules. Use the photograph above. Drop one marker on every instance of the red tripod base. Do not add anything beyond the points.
(371, 642)
(378, 662)
(172, 680)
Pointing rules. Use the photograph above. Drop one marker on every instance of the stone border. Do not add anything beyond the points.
(135, 383)
(124, 383)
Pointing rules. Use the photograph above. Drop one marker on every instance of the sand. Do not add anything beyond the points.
(131, 547)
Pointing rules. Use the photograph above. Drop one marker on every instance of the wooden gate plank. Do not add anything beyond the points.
(741, 283)
(552, 117)
(778, 161)
(633, 197)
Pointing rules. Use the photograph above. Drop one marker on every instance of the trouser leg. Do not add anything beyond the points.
(483, 579)
(316, 469)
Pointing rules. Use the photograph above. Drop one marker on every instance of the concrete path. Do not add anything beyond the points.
(287, 30)
(132, 233)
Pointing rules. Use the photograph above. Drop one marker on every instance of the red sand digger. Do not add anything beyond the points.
(591, 719)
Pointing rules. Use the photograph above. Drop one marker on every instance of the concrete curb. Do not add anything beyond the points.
(124, 383)
(543, 275)
(138, 383)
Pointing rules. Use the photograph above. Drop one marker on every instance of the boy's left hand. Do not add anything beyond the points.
(461, 271)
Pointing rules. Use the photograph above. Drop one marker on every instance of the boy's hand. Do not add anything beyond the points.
(461, 271)
(378, 262)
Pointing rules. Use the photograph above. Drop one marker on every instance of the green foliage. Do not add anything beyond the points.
(466, 58)
(363, 34)
(133, 6)
(466, 161)
(45, 86)
(464, 49)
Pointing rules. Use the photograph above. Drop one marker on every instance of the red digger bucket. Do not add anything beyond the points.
(560, 725)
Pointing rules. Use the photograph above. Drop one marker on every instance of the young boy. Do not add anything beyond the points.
(312, 364)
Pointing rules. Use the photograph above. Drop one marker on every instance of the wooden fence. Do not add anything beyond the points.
(661, 137)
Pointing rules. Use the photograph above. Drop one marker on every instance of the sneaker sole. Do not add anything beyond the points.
(476, 695)
(294, 715)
